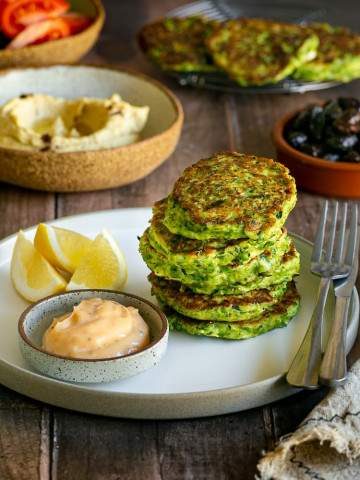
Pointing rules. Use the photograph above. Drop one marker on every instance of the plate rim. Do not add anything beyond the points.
(165, 400)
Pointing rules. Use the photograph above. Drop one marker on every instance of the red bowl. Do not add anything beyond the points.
(331, 179)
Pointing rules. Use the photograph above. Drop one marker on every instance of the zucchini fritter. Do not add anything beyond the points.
(192, 254)
(278, 316)
(276, 265)
(178, 44)
(222, 308)
(229, 196)
(338, 55)
(257, 52)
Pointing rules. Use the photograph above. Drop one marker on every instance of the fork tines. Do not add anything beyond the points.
(330, 241)
(205, 8)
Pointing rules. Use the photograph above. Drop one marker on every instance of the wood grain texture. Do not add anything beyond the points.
(103, 448)
(24, 426)
(219, 448)
(41, 442)
(20, 208)
(24, 442)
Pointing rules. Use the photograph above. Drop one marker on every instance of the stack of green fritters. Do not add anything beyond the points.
(222, 263)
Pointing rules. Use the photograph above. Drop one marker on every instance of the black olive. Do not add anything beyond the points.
(296, 139)
(332, 156)
(301, 120)
(348, 102)
(312, 149)
(341, 142)
(288, 129)
(332, 111)
(349, 122)
(351, 156)
(317, 122)
(331, 131)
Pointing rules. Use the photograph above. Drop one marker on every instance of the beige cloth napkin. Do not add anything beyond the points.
(326, 446)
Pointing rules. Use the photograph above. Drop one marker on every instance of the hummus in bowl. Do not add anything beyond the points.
(37, 121)
(60, 129)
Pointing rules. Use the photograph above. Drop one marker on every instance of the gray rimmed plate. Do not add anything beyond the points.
(198, 376)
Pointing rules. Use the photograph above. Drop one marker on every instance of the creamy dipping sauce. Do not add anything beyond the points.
(97, 328)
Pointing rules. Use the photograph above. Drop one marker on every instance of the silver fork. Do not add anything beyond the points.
(333, 370)
(203, 8)
(221, 11)
(327, 262)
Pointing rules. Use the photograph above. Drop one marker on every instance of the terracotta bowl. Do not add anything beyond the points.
(331, 179)
(97, 169)
(66, 50)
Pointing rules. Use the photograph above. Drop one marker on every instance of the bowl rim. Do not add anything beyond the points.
(155, 308)
(175, 102)
(98, 21)
(281, 143)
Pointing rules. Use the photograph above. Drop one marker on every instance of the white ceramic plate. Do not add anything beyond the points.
(197, 377)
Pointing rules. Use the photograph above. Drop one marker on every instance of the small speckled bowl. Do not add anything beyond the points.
(37, 318)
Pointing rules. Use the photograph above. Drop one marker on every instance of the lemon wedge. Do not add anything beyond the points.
(103, 266)
(32, 275)
(63, 248)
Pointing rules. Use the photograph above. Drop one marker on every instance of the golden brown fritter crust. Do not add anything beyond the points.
(256, 51)
(338, 55)
(231, 188)
(196, 301)
(178, 44)
(276, 317)
(179, 244)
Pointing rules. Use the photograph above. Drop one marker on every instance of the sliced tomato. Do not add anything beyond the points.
(77, 22)
(15, 15)
(45, 31)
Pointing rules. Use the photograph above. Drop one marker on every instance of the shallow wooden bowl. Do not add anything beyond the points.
(331, 179)
(66, 50)
(98, 169)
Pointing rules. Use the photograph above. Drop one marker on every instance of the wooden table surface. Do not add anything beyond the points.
(38, 441)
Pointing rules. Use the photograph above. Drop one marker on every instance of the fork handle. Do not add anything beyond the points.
(333, 369)
(304, 369)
